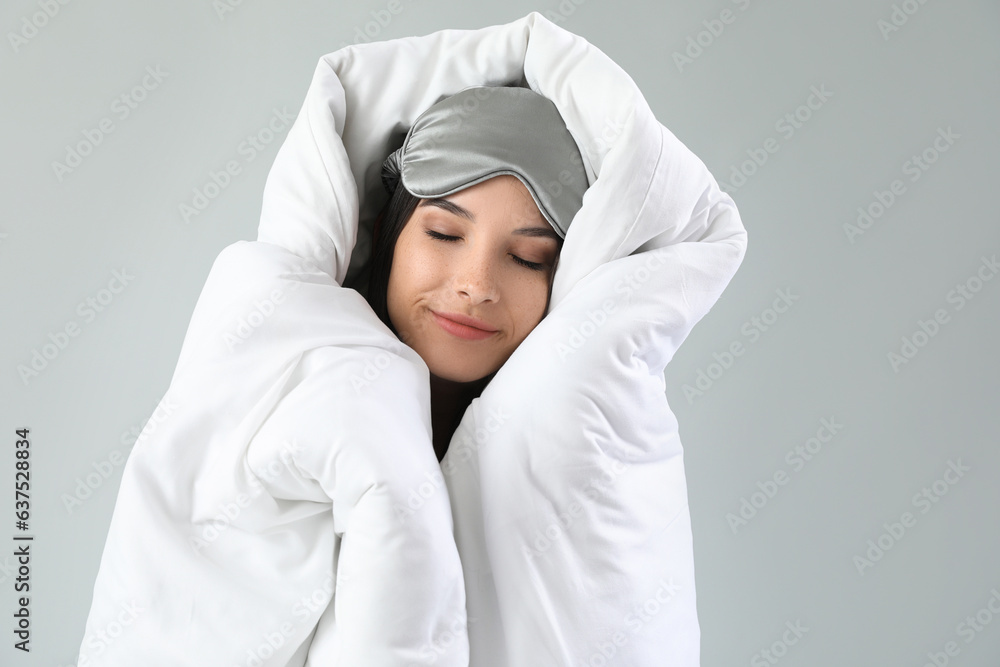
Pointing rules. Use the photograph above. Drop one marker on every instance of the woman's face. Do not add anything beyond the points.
(447, 264)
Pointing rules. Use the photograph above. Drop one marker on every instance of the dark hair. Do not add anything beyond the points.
(390, 222)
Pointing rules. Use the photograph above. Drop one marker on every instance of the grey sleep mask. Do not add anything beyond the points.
(485, 131)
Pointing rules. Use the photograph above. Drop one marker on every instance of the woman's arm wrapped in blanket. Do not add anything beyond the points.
(566, 476)
(357, 410)
(263, 505)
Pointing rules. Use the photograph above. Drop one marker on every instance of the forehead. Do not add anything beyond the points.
(503, 193)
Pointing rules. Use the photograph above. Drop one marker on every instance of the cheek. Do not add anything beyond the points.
(412, 268)
(531, 298)
(412, 274)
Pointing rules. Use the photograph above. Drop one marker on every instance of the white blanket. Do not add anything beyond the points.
(285, 507)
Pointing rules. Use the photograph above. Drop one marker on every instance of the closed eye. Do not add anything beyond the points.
(534, 266)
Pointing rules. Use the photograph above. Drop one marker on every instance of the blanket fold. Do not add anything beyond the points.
(291, 511)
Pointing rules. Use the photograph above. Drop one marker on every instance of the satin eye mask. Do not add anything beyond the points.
(484, 131)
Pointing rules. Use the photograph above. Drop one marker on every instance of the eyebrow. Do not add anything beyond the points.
(455, 209)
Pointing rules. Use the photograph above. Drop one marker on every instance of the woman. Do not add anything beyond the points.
(291, 510)
(485, 253)
(224, 516)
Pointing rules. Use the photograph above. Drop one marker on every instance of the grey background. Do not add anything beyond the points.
(826, 357)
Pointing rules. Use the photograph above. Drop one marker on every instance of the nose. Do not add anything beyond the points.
(475, 276)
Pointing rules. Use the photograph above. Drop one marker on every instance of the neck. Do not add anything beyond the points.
(449, 400)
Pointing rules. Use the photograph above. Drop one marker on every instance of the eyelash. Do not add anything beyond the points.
(531, 265)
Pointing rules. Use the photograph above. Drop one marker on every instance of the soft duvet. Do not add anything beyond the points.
(289, 509)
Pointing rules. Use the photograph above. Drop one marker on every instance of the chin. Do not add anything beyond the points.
(458, 375)
(450, 369)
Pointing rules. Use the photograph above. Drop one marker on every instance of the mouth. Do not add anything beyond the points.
(464, 328)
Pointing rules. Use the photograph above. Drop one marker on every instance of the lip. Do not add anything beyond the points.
(463, 326)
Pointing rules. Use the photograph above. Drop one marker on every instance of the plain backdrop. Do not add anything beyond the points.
(847, 377)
